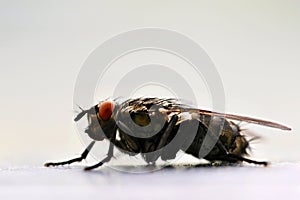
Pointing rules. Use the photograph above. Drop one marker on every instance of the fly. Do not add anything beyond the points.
(152, 127)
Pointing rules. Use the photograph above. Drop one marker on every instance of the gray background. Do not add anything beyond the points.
(255, 46)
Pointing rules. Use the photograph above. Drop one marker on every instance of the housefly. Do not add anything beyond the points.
(159, 128)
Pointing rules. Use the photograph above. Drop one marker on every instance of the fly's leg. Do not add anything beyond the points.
(167, 133)
(83, 156)
(240, 158)
(233, 158)
(151, 158)
(107, 158)
(167, 153)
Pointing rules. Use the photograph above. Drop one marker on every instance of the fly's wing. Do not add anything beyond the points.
(172, 106)
(238, 118)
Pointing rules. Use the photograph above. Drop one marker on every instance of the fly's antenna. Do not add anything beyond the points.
(81, 114)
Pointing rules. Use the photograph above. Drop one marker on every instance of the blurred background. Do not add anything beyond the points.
(255, 46)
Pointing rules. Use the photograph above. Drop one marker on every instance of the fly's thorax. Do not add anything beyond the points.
(155, 120)
(141, 118)
(140, 121)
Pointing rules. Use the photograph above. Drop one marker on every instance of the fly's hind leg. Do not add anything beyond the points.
(82, 157)
(232, 159)
(236, 158)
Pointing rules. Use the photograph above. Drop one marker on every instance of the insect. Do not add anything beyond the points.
(156, 127)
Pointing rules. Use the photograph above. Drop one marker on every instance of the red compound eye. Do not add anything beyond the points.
(106, 109)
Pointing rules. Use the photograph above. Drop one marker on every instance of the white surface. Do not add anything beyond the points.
(278, 181)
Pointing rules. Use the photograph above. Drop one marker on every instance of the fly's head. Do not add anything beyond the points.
(101, 121)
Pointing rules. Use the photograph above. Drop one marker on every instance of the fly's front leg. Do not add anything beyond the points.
(107, 158)
(83, 156)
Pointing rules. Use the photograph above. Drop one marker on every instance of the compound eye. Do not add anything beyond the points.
(106, 109)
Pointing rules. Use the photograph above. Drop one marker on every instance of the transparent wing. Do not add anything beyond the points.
(238, 118)
(173, 106)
